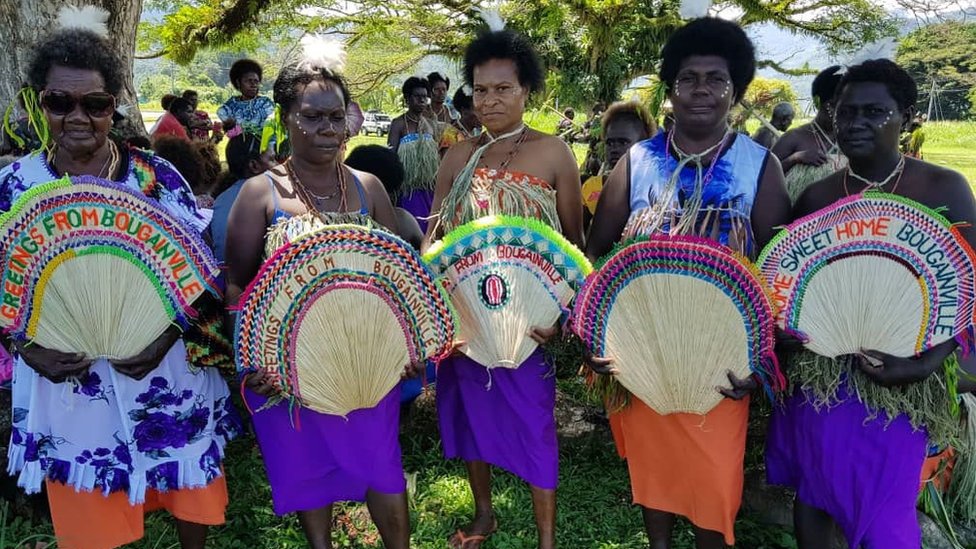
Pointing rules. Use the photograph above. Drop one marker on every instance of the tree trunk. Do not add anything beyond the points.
(24, 23)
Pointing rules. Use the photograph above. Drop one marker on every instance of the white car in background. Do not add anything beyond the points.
(376, 123)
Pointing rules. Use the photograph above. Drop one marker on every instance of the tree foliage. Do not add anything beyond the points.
(592, 47)
(943, 53)
(764, 93)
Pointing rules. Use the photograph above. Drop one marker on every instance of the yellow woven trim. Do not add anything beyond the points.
(39, 288)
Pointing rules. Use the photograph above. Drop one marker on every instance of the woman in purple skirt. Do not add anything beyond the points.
(851, 439)
(504, 417)
(315, 459)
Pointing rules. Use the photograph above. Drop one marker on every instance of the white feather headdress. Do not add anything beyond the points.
(492, 17)
(693, 9)
(92, 18)
(322, 52)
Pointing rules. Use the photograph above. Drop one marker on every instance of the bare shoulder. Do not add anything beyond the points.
(371, 184)
(458, 155)
(257, 186)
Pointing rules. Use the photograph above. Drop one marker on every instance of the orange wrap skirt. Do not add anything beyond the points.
(686, 464)
(92, 520)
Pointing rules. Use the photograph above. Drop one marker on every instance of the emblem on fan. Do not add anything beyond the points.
(494, 290)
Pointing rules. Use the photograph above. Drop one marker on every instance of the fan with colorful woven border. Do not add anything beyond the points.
(676, 313)
(335, 315)
(506, 274)
(95, 267)
(874, 271)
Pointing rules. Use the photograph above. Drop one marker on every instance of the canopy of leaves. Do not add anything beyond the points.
(592, 47)
(765, 93)
(943, 54)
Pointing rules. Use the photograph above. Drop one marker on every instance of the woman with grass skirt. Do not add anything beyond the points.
(315, 459)
(505, 418)
(809, 152)
(852, 438)
(699, 178)
(412, 137)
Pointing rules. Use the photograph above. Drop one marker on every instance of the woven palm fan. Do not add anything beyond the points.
(94, 267)
(676, 313)
(335, 315)
(873, 271)
(506, 274)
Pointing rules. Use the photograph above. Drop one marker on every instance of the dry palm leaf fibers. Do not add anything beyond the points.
(420, 158)
(961, 499)
(802, 176)
(95, 267)
(873, 271)
(506, 274)
(676, 313)
(292, 228)
(335, 316)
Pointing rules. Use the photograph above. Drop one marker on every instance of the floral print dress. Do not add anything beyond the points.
(106, 431)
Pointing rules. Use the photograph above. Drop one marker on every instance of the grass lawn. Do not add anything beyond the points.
(594, 510)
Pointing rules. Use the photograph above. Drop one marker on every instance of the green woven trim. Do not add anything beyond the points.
(565, 246)
(26, 198)
(911, 203)
(930, 403)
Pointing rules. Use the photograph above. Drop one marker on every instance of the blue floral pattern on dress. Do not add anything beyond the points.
(105, 431)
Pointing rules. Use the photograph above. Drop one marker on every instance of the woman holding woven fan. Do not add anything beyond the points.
(504, 418)
(110, 439)
(853, 438)
(729, 190)
(329, 458)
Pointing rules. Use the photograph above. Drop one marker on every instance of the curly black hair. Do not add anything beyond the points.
(380, 161)
(413, 83)
(900, 84)
(178, 105)
(242, 67)
(436, 77)
(506, 45)
(824, 85)
(462, 100)
(711, 36)
(241, 149)
(77, 49)
(184, 157)
(298, 75)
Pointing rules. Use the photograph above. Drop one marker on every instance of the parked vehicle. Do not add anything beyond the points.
(376, 123)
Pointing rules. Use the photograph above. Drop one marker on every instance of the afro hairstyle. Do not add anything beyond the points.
(380, 161)
(242, 67)
(711, 36)
(900, 84)
(436, 77)
(413, 83)
(506, 45)
(824, 86)
(76, 49)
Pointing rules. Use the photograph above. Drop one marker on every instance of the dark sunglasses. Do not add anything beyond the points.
(95, 104)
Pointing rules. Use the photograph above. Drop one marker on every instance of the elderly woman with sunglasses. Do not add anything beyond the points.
(110, 439)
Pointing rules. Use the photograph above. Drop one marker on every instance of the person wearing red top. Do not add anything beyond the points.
(174, 121)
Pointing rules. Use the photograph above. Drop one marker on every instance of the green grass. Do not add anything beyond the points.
(594, 510)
